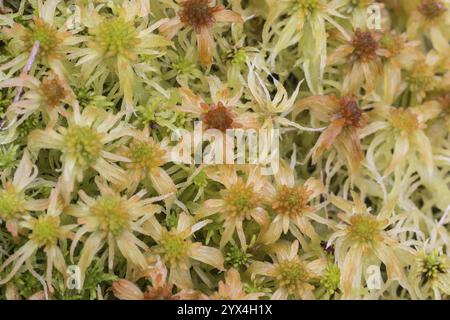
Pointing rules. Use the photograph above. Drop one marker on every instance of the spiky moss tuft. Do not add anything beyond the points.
(364, 228)
(197, 13)
(431, 266)
(217, 117)
(145, 155)
(112, 214)
(421, 78)
(292, 201)
(365, 45)
(292, 275)
(350, 111)
(173, 248)
(83, 143)
(404, 120)
(116, 36)
(201, 179)
(11, 203)
(48, 37)
(237, 257)
(240, 200)
(52, 91)
(331, 279)
(392, 42)
(46, 230)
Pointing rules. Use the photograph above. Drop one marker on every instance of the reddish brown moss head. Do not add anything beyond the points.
(365, 45)
(198, 13)
(53, 91)
(350, 111)
(217, 117)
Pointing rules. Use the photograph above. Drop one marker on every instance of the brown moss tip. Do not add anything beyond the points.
(350, 111)
(197, 13)
(365, 44)
(217, 117)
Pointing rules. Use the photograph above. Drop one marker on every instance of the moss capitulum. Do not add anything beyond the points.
(52, 91)
(83, 143)
(404, 120)
(116, 37)
(240, 200)
(46, 230)
(392, 43)
(217, 117)
(201, 179)
(421, 78)
(173, 248)
(112, 214)
(239, 57)
(48, 37)
(431, 266)
(350, 111)
(363, 228)
(331, 278)
(237, 257)
(292, 201)
(145, 155)
(11, 203)
(197, 13)
(292, 275)
(365, 45)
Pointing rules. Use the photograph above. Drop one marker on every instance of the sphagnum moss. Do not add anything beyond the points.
(92, 175)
